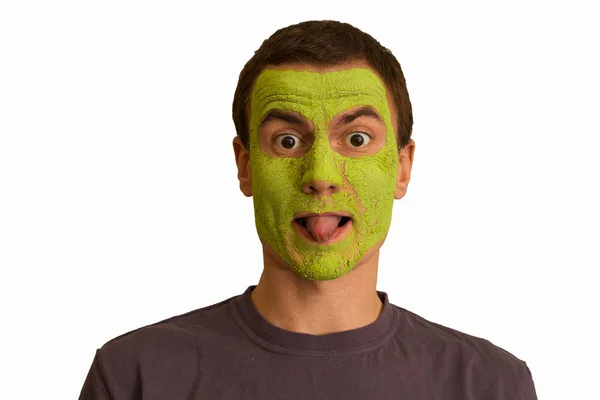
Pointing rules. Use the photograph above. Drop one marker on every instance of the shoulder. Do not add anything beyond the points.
(170, 337)
(483, 366)
(432, 337)
(162, 357)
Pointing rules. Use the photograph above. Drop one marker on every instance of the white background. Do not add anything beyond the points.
(119, 203)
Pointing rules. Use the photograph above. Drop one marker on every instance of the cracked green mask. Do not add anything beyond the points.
(367, 182)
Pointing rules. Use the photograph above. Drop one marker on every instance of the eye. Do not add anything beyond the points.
(287, 141)
(358, 139)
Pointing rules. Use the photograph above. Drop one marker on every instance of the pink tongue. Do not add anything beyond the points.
(321, 228)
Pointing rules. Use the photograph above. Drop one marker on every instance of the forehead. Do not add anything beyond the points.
(317, 93)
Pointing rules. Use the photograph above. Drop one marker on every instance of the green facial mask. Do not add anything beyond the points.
(367, 182)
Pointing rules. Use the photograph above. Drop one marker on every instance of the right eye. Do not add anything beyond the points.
(287, 141)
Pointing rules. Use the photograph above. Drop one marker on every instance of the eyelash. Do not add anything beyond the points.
(365, 133)
(282, 135)
(299, 141)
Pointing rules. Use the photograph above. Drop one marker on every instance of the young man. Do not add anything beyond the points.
(323, 146)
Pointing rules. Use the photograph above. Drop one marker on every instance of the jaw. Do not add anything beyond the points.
(279, 272)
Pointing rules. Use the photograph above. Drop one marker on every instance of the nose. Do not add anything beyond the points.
(320, 188)
(322, 176)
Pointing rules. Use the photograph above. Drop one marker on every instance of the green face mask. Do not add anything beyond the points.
(367, 182)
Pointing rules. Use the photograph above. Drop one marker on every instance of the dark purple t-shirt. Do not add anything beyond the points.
(229, 351)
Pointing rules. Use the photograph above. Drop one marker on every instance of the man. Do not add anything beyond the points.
(323, 145)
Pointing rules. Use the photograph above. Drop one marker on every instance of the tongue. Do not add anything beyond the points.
(321, 228)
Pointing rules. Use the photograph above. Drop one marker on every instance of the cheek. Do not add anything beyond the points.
(371, 178)
(373, 181)
(275, 180)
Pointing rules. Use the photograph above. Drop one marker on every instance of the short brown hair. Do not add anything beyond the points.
(323, 43)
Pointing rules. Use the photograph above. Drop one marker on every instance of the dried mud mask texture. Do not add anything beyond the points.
(367, 182)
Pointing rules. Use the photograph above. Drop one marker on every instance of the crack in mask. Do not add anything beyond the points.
(367, 181)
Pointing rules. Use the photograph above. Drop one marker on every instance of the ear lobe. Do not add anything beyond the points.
(405, 161)
(242, 160)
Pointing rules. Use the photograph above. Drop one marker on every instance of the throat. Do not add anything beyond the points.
(315, 315)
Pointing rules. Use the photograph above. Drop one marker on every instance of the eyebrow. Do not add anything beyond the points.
(365, 111)
(282, 115)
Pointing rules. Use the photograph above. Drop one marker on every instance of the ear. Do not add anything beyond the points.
(405, 161)
(242, 159)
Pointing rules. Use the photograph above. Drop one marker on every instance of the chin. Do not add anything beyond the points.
(323, 264)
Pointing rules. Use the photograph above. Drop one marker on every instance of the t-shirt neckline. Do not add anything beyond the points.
(274, 338)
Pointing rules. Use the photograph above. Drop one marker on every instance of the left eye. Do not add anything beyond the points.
(358, 139)
(287, 141)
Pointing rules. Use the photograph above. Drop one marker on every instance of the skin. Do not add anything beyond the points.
(305, 286)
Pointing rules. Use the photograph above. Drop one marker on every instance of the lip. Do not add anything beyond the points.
(339, 234)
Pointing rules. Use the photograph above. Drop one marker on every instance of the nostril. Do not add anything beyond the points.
(317, 187)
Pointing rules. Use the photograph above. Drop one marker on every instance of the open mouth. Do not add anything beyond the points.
(343, 221)
(323, 228)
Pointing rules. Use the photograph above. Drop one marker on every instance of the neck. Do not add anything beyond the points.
(297, 304)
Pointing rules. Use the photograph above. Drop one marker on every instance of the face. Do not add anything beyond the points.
(324, 166)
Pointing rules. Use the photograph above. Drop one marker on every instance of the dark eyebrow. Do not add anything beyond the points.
(282, 115)
(360, 112)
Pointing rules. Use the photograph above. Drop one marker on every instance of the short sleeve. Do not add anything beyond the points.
(94, 387)
(527, 386)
